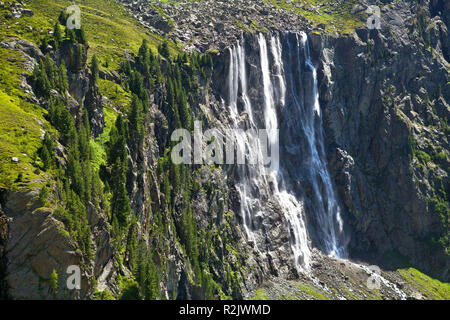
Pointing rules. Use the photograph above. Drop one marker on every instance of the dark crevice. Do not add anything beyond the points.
(3, 238)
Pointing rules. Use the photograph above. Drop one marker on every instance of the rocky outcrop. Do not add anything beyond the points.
(337, 279)
(33, 240)
(37, 243)
(384, 94)
(212, 24)
(380, 90)
(373, 85)
(82, 86)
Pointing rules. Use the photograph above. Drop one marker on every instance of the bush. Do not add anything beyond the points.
(163, 49)
(439, 157)
(53, 282)
(423, 157)
(43, 196)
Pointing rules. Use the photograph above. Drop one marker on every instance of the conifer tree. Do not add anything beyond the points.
(136, 116)
(57, 35)
(163, 49)
(45, 43)
(63, 81)
(62, 18)
(78, 58)
(70, 34)
(41, 80)
(81, 36)
(132, 246)
(94, 68)
(118, 161)
(53, 282)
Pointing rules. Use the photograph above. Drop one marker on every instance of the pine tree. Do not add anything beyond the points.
(136, 117)
(70, 34)
(143, 57)
(84, 145)
(45, 43)
(81, 36)
(166, 188)
(43, 84)
(57, 35)
(163, 49)
(65, 124)
(145, 101)
(118, 162)
(120, 202)
(51, 70)
(75, 172)
(53, 282)
(125, 68)
(94, 68)
(62, 18)
(63, 81)
(43, 195)
(136, 83)
(132, 247)
(78, 58)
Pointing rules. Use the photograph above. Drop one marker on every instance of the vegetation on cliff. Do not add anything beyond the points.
(85, 122)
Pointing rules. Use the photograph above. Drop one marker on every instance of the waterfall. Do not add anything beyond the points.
(247, 174)
(329, 212)
(289, 93)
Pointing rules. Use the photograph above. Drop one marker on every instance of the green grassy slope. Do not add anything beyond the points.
(111, 33)
(109, 28)
(20, 125)
(429, 287)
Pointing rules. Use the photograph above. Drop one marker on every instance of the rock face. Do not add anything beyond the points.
(82, 86)
(35, 243)
(384, 94)
(212, 24)
(287, 211)
(380, 90)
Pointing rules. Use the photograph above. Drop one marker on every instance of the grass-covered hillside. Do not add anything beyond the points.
(111, 32)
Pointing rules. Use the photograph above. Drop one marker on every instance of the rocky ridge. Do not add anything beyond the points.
(33, 242)
(212, 25)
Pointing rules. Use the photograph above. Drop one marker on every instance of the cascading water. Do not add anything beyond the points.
(293, 210)
(246, 186)
(291, 107)
(329, 212)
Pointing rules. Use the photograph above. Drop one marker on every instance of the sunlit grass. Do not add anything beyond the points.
(431, 288)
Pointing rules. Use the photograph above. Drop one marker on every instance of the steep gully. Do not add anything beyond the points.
(287, 106)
